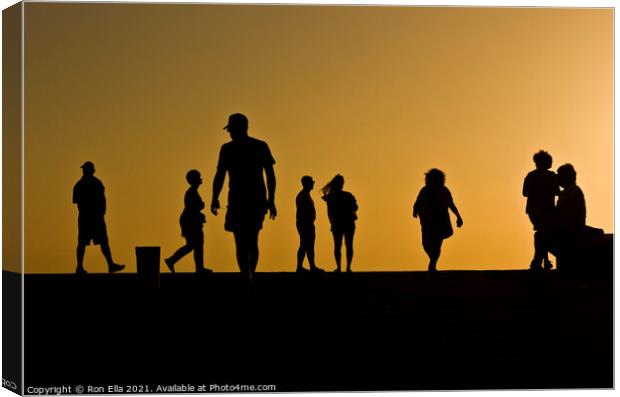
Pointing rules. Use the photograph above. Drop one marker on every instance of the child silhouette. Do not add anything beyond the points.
(192, 220)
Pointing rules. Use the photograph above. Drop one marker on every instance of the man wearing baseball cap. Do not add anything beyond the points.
(88, 194)
(246, 160)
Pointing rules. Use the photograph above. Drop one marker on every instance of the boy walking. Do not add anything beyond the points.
(540, 187)
(192, 221)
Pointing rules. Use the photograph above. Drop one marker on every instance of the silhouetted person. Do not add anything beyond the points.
(342, 213)
(432, 206)
(88, 194)
(306, 215)
(245, 159)
(568, 228)
(192, 221)
(577, 247)
(540, 187)
(571, 207)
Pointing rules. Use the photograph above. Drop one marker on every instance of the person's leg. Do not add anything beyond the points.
(538, 259)
(338, 235)
(432, 247)
(194, 241)
(543, 244)
(301, 252)
(107, 253)
(243, 258)
(431, 251)
(199, 258)
(310, 248)
(174, 258)
(547, 265)
(253, 249)
(427, 247)
(310, 254)
(178, 254)
(551, 237)
(539, 250)
(198, 243)
(85, 235)
(246, 240)
(438, 245)
(81, 249)
(100, 236)
(541, 255)
(348, 240)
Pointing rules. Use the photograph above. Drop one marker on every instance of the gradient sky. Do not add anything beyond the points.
(377, 94)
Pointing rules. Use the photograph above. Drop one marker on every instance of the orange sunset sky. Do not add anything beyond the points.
(377, 94)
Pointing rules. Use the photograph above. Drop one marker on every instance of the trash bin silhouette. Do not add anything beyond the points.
(147, 261)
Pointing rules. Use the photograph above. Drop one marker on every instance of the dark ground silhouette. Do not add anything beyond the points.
(363, 331)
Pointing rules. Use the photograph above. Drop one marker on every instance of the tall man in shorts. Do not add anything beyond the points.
(88, 194)
(245, 159)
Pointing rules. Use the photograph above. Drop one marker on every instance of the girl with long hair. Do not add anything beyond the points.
(432, 206)
(342, 212)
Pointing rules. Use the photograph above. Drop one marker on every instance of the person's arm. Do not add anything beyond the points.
(218, 184)
(199, 203)
(271, 191)
(526, 187)
(193, 201)
(416, 205)
(459, 220)
(75, 194)
(330, 214)
(218, 180)
(103, 203)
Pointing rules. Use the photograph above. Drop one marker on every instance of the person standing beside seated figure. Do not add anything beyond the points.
(342, 213)
(192, 221)
(540, 187)
(306, 215)
(432, 206)
(89, 196)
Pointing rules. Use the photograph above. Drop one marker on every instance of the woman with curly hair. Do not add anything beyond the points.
(432, 206)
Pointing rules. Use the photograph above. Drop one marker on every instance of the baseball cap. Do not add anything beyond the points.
(237, 119)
